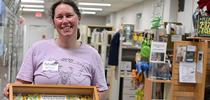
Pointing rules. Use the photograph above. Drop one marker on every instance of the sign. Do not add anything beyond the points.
(38, 14)
(158, 52)
(187, 72)
(175, 38)
(204, 26)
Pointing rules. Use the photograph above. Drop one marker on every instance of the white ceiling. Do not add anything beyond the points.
(116, 5)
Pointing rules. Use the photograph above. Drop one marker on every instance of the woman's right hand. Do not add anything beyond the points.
(6, 90)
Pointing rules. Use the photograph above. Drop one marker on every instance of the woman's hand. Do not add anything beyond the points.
(6, 89)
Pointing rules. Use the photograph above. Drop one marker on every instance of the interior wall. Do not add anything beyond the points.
(166, 10)
(35, 28)
(31, 20)
(173, 10)
(186, 16)
(93, 20)
(128, 15)
(170, 14)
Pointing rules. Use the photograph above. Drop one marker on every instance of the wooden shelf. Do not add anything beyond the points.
(199, 38)
(160, 81)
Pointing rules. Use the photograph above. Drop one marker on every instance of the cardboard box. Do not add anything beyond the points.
(15, 89)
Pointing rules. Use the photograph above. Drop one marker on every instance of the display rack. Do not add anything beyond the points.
(191, 91)
(176, 90)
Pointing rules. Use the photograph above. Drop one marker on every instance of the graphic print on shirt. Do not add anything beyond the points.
(64, 77)
(71, 71)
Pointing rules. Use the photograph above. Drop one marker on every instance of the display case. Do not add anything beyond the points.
(52, 92)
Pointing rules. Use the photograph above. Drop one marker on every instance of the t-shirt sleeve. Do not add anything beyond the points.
(99, 79)
(27, 68)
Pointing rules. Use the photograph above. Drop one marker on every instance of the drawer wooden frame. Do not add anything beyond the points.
(53, 90)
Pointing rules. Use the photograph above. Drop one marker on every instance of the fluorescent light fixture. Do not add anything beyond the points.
(32, 1)
(92, 9)
(32, 10)
(88, 12)
(94, 4)
(32, 6)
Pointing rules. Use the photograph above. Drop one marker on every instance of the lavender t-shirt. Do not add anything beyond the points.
(47, 63)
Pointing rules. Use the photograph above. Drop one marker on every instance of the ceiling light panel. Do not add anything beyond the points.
(91, 9)
(88, 12)
(32, 6)
(32, 1)
(94, 4)
(32, 10)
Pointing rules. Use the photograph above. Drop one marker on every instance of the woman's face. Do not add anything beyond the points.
(65, 20)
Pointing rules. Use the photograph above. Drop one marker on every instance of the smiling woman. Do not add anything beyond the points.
(66, 17)
(64, 60)
(65, 20)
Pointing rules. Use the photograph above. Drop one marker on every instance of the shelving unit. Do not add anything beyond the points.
(99, 29)
(121, 87)
(100, 40)
(121, 82)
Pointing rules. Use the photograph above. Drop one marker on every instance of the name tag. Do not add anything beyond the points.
(50, 66)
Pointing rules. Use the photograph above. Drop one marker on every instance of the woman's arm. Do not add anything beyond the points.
(6, 89)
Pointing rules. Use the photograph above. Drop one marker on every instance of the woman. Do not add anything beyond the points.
(63, 60)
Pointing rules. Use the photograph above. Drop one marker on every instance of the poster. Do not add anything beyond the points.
(180, 53)
(204, 26)
(187, 72)
(190, 53)
(158, 52)
(200, 62)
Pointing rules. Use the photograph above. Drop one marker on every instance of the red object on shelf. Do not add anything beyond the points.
(203, 3)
